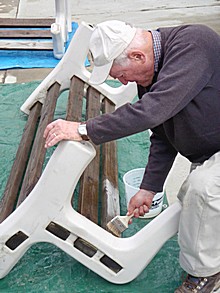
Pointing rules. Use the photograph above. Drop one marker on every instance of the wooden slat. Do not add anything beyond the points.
(89, 185)
(36, 160)
(25, 45)
(75, 100)
(17, 172)
(26, 22)
(11, 33)
(110, 192)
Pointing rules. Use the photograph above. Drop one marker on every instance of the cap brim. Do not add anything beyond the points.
(100, 73)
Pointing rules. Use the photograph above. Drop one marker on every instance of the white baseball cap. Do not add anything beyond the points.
(109, 39)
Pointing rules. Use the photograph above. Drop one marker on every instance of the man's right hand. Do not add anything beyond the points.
(140, 203)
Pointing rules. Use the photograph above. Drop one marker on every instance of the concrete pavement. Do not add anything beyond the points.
(142, 13)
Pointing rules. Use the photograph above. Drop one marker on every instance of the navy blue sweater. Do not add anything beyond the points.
(181, 107)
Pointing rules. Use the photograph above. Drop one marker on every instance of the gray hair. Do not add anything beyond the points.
(137, 41)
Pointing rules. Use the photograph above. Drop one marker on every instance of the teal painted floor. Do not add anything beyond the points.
(45, 268)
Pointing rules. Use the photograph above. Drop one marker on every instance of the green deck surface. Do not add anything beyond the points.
(46, 268)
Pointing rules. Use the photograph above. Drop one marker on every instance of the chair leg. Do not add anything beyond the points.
(58, 44)
(68, 15)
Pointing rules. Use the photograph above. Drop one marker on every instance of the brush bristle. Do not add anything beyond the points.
(116, 226)
(119, 224)
(112, 228)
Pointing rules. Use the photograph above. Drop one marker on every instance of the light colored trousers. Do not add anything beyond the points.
(199, 228)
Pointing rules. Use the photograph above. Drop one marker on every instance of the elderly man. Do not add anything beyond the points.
(177, 71)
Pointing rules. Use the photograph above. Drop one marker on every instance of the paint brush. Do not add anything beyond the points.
(118, 224)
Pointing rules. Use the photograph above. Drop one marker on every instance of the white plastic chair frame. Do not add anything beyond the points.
(47, 216)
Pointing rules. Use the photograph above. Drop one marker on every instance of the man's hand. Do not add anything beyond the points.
(140, 203)
(61, 130)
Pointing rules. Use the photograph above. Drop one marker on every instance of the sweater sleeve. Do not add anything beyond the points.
(178, 82)
(161, 158)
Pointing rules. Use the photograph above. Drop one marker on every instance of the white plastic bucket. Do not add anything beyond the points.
(132, 180)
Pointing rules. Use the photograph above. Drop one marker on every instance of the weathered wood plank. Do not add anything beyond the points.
(11, 33)
(36, 160)
(26, 45)
(89, 185)
(17, 172)
(110, 192)
(75, 100)
(26, 22)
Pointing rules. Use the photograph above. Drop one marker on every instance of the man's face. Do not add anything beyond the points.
(141, 73)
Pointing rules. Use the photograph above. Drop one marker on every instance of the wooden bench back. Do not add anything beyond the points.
(28, 164)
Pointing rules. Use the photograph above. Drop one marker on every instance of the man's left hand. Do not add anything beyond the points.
(61, 130)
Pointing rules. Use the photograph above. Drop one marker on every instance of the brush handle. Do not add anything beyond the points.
(126, 219)
(130, 216)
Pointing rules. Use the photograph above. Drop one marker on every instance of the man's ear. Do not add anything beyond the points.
(137, 55)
